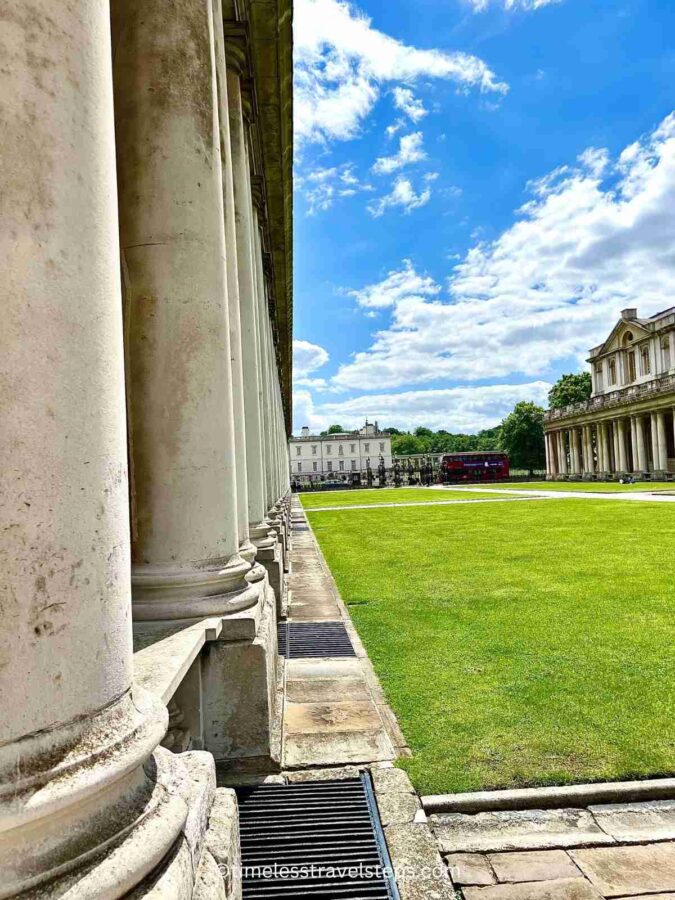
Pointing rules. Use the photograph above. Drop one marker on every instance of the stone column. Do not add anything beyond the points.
(615, 443)
(621, 430)
(186, 539)
(634, 442)
(603, 463)
(662, 441)
(641, 446)
(232, 271)
(548, 452)
(258, 526)
(656, 462)
(564, 467)
(574, 451)
(74, 736)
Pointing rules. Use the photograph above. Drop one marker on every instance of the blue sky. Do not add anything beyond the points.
(481, 187)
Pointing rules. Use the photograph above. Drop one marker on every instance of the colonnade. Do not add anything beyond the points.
(638, 443)
(142, 426)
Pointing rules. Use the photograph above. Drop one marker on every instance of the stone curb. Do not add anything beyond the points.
(573, 795)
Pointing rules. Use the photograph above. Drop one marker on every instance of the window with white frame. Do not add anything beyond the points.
(315, 467)
(381, 446)
(353, 465)
(328, 448)
(329, 466)
(645, 365)
(665, 354)
(366, 447)
(341, 450)
(612, 371)
(598, 376)
(298, 451)
(299, 467)
(352, 448)
(313, 449)
(342, 465)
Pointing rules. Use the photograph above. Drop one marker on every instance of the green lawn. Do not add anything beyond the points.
(595, 487)
(358, 497)
(518, 643)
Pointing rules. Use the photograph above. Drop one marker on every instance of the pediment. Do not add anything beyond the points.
(616, 338)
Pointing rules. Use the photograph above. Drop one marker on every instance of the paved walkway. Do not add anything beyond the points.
(334, 711)
(424, 503)
(604, 851)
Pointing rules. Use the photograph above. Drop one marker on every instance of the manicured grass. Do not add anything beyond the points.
(359, 497)
(518, 643)
(595, 487)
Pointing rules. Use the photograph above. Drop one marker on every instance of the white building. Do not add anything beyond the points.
(338, 456)
(627, 425)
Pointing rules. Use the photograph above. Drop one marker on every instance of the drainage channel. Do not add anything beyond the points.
(305, 640)
(321, 840)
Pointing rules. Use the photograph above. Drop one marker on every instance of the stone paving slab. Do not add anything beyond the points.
(629, 871)
(318, 690)
(534, 865)
(529, 829)
(303, 750)
(326, 718)
(303, 669)
(567, 889)
(637, 823)
(470, 869)
(421, 874)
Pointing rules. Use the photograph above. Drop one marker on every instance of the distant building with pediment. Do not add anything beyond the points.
(628, 425)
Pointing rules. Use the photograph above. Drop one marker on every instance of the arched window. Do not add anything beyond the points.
(631, 365)
(612, 371)
(645, 365)
(665, 354)
(627, 338)
(598, 377)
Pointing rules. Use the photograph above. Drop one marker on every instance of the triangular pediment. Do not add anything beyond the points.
(616, 338)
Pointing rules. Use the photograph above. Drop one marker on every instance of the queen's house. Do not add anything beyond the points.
(627, 427)
(145, 375)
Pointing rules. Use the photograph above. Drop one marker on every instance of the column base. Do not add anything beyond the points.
(189, 594)
(241, 683)
(82, 809)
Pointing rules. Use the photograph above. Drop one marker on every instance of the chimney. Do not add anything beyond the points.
(304, 431)
(629, 313)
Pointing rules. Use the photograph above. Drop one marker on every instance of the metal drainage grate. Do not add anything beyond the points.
(318, 839)
(303, 640)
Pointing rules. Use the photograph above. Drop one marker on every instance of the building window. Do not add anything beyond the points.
(313, 449)
(299, 467)
(315, 467)
(644, 361)
(329, 466)
(353, 465)
(612, 371)
(352, 448)
(631, 366)
(665, 354)
(341, 450)
(366, 447)
(342, 465)
(328, 448)
(298, 451)
(382, 447)
(598, 377)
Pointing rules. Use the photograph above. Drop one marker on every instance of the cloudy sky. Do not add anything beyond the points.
(481, 187)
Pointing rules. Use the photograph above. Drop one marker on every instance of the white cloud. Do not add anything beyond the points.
(322, 187)
(412, 106)
(307, 358)
(457, 409)
(596, 237)
(341, 61)
(527, 5)
(410, 150)
(402, 195)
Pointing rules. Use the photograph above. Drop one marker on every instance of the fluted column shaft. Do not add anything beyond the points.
(634, 442)
(641, 445)
(662, 441)
(185, 547)
(73, 739)
(621, 431)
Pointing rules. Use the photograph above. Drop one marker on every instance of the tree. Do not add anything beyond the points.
(333, 429)
(522, 436)
(402, 444)
(570, 389)
(423, 432)
(392, 431)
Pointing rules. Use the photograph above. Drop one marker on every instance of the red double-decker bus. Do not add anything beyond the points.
(487, 465)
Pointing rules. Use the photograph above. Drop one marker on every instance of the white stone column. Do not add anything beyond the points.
(615, 444)
(186, 539)
(548, 452)
(74, 738)
(656, 462)
(621, 432)
(603, 465)
(662, 441)
(641, 446)
(561, 451)
(258, 526)
(232, 271)
(574, 451)
(634, 442)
